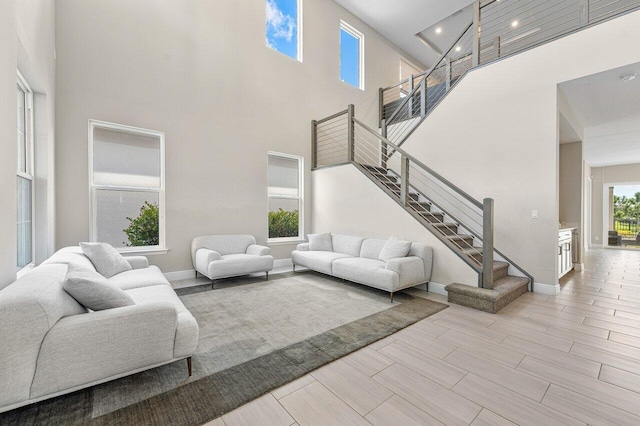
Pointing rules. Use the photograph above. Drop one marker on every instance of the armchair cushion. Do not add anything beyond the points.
(137, 262)
(105, 258)
(303, 247)
(204, 257)
(257, 250)
(320, 242)
(94, 291)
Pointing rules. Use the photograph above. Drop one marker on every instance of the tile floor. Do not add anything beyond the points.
(568, 359)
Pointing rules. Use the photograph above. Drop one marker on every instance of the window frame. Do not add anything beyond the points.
(351, 30)
(29, 173)
(298, 33)
(300, 198)
(93, 188)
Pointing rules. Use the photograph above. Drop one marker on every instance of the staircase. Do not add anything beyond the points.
(462, 223)
(505, 288)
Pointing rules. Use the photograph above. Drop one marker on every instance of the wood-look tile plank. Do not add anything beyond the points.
(264, 410)
(606, 357)
(558, 343)
(587, 386)
(587, 409)
(293, 386)
(422, 363)
(436, 400)
(629, 315)
(510, 405)
(316, 405)
(383, 342)
(426, 343)
(624, 339)
(469, 327)
(368, 361)
(507, 377)
(568, 325)
(398, 411)
(358, 390)
(489, 418)
(562, 359)
(215, 422)
(482, 348)
(620, 378)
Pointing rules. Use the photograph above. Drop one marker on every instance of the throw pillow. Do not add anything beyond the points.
(320, 242)
(105, 258)
(92, 290)
(394, 248)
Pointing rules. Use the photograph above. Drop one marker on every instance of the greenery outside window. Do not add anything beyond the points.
(285, 191)
(126, 169)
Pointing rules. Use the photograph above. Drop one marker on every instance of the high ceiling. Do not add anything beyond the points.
(400, 21)
(608, 108)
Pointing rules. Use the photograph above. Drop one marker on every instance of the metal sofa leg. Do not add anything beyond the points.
(212, 281)
(267, 275)
(294, 267)
(189, 366)
(391, 296)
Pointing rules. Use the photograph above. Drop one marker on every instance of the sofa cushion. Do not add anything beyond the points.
(137, 278)
(187, 328)
(394, 248)
(107, 261)
(204, 257)
(347, 244)
(232, 265)
(371, 248)
(316, 260)
(93, 290)
(223, 244)
(320, 242)
(370, 272)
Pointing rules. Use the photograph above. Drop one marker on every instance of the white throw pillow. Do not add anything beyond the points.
(94, 291)
(394, 248)
(320, 242)
(105, 259)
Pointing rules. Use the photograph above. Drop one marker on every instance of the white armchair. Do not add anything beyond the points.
(223, 256)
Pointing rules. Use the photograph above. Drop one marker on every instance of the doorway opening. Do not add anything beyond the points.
(624, 216)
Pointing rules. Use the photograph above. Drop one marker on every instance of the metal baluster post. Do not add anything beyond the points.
(404, 180)
(351, 133)
(583, 11)
(423, 97)
(410, 102)
(447, 70)
(384, 150)
(380, 106)
(314, 144)
(477, 32)
(487, 243)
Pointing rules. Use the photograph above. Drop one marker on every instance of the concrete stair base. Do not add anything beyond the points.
(505, 290)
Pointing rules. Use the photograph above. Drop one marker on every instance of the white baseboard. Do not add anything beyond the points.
(578, 266)
(595, 246)
(282, 263)
(551, 289)
(180, 275)
(437, 288)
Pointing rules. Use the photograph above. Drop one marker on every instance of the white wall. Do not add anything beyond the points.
(27, 43)
(628, 173)
(363, 209)
(496, 135)
(200, 71)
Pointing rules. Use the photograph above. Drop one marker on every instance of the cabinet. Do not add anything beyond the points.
(565, 252)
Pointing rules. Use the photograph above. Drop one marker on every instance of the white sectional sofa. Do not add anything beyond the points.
(52, 345)
(223, 256)
(358, 259)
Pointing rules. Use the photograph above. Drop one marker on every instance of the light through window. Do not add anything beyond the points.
(285, 197)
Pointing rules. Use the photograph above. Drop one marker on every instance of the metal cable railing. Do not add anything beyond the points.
(460, 221)
(499, 29)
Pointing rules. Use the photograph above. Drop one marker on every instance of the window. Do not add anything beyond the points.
(126, 169)
(25, 174)
(285, 197)
(351, 55)
(283, 29)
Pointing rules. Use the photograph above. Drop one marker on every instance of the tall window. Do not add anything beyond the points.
(283, 27)
(351, 55)
(285, 197)
(126, 169)
(25, 174)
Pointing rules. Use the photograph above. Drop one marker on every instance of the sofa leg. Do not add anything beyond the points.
(391, 296)
(294, 267)
(212, 284)
(267, 276)
(189, 366)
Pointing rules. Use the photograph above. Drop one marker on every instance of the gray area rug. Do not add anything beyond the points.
(255, 336)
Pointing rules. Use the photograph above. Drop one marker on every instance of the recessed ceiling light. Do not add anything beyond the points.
(628, 77)
(515, 23)
(438, 30)
(458, 48)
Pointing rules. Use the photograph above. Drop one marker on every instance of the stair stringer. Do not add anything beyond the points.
(345, 200)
